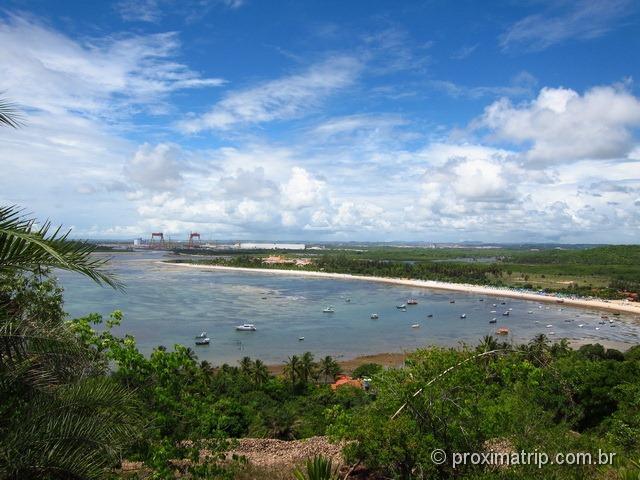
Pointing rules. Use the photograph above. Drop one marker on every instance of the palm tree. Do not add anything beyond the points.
(60, 416)
(488, 344)
(291, 368)
(260, 372)
(246, 365)
(28, 248)
(329, 368)
(307, 367)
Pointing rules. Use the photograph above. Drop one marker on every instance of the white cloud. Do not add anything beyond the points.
(561, 125)
(301, 190)
(284, 98)
(102, 76)
(155, 168)
(582, 20)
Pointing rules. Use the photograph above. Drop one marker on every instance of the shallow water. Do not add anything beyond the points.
(165, 305)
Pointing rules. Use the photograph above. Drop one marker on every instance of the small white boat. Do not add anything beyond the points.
(581, 325)
(597, 328)
(246, 327)
(203, 341)
(202, 335)
(493, 311)
(400, 307)
(329, 309)
(300, 339)
(530, 312)
(549, 326)
(494, 304)
(374, 316)
(506, 314)
(415, 325)
(552, 333)
(493, 320)
(510, 309)
(464, 315)
(412, 301)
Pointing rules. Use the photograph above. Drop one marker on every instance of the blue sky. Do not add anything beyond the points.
(435, 121)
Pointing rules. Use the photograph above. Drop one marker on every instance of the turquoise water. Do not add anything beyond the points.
(165, 305)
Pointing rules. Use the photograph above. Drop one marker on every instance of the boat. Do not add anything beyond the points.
(464, 315)
(329, 309)
(246, 327)
(549, 326)
(581, 325)
(452, 301)
(505, 314)
(348, 300)
(412, 301)
(493, 311)
(374, 316)
(400, 307)
(552, 333)
(493, 320)
(203, 341)
(481, 299)
(494, 304)
(430, 315)
(602, 322)
(502, 331)
(300, 339)
(202, 335)
(415, 325)
(597, 328)
(503, 303)
(530, 312)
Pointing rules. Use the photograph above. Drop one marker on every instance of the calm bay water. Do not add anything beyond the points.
(165, 305)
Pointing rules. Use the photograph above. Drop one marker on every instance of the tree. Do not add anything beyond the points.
(61, 417)
(307, 369)
(291, 368)
(260, 372)
(329, 368)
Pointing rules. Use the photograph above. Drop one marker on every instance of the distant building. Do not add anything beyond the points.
(343, 380)
(137, 242)
(270, 246)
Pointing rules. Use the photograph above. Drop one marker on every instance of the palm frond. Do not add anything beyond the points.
(24, 247)
(9, 114)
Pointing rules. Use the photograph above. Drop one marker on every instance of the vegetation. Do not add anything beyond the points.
(610, 272)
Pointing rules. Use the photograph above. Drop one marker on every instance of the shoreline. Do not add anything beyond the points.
(621, 306)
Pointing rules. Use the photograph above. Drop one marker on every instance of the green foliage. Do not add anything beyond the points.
(367, 370)
(317, 468)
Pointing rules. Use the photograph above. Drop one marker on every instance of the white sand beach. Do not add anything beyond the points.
(592, 303)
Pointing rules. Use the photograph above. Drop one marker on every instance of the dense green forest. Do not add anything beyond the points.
(611, 272)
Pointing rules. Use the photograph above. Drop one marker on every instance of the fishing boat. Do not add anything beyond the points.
(464, 315)
(348, 300)
(300, 339)
(374, 316)
(400, 307)
(430, 315)
(505, 314)
(493, 320)
(452, 301)
(202, 335)
(493, 311)
(246, 327)
(549, 326)
(203, 341)
(329, 309)
(494, 304)
(412, 301)
(502, 331)
(530, 312)
(581, 325)
(415, 325)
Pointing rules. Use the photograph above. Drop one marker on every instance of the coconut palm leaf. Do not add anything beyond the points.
(25, 247)
(9, 115)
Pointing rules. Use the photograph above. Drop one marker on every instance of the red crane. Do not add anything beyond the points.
(192, 237)
(159, 236)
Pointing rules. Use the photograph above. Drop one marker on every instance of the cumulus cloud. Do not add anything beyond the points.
(155, 168)
(301, 190)
(561, 125)
(284, 98)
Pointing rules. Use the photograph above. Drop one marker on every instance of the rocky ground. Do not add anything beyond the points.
(268, 452)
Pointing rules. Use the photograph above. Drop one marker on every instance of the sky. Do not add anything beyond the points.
(433, 121)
